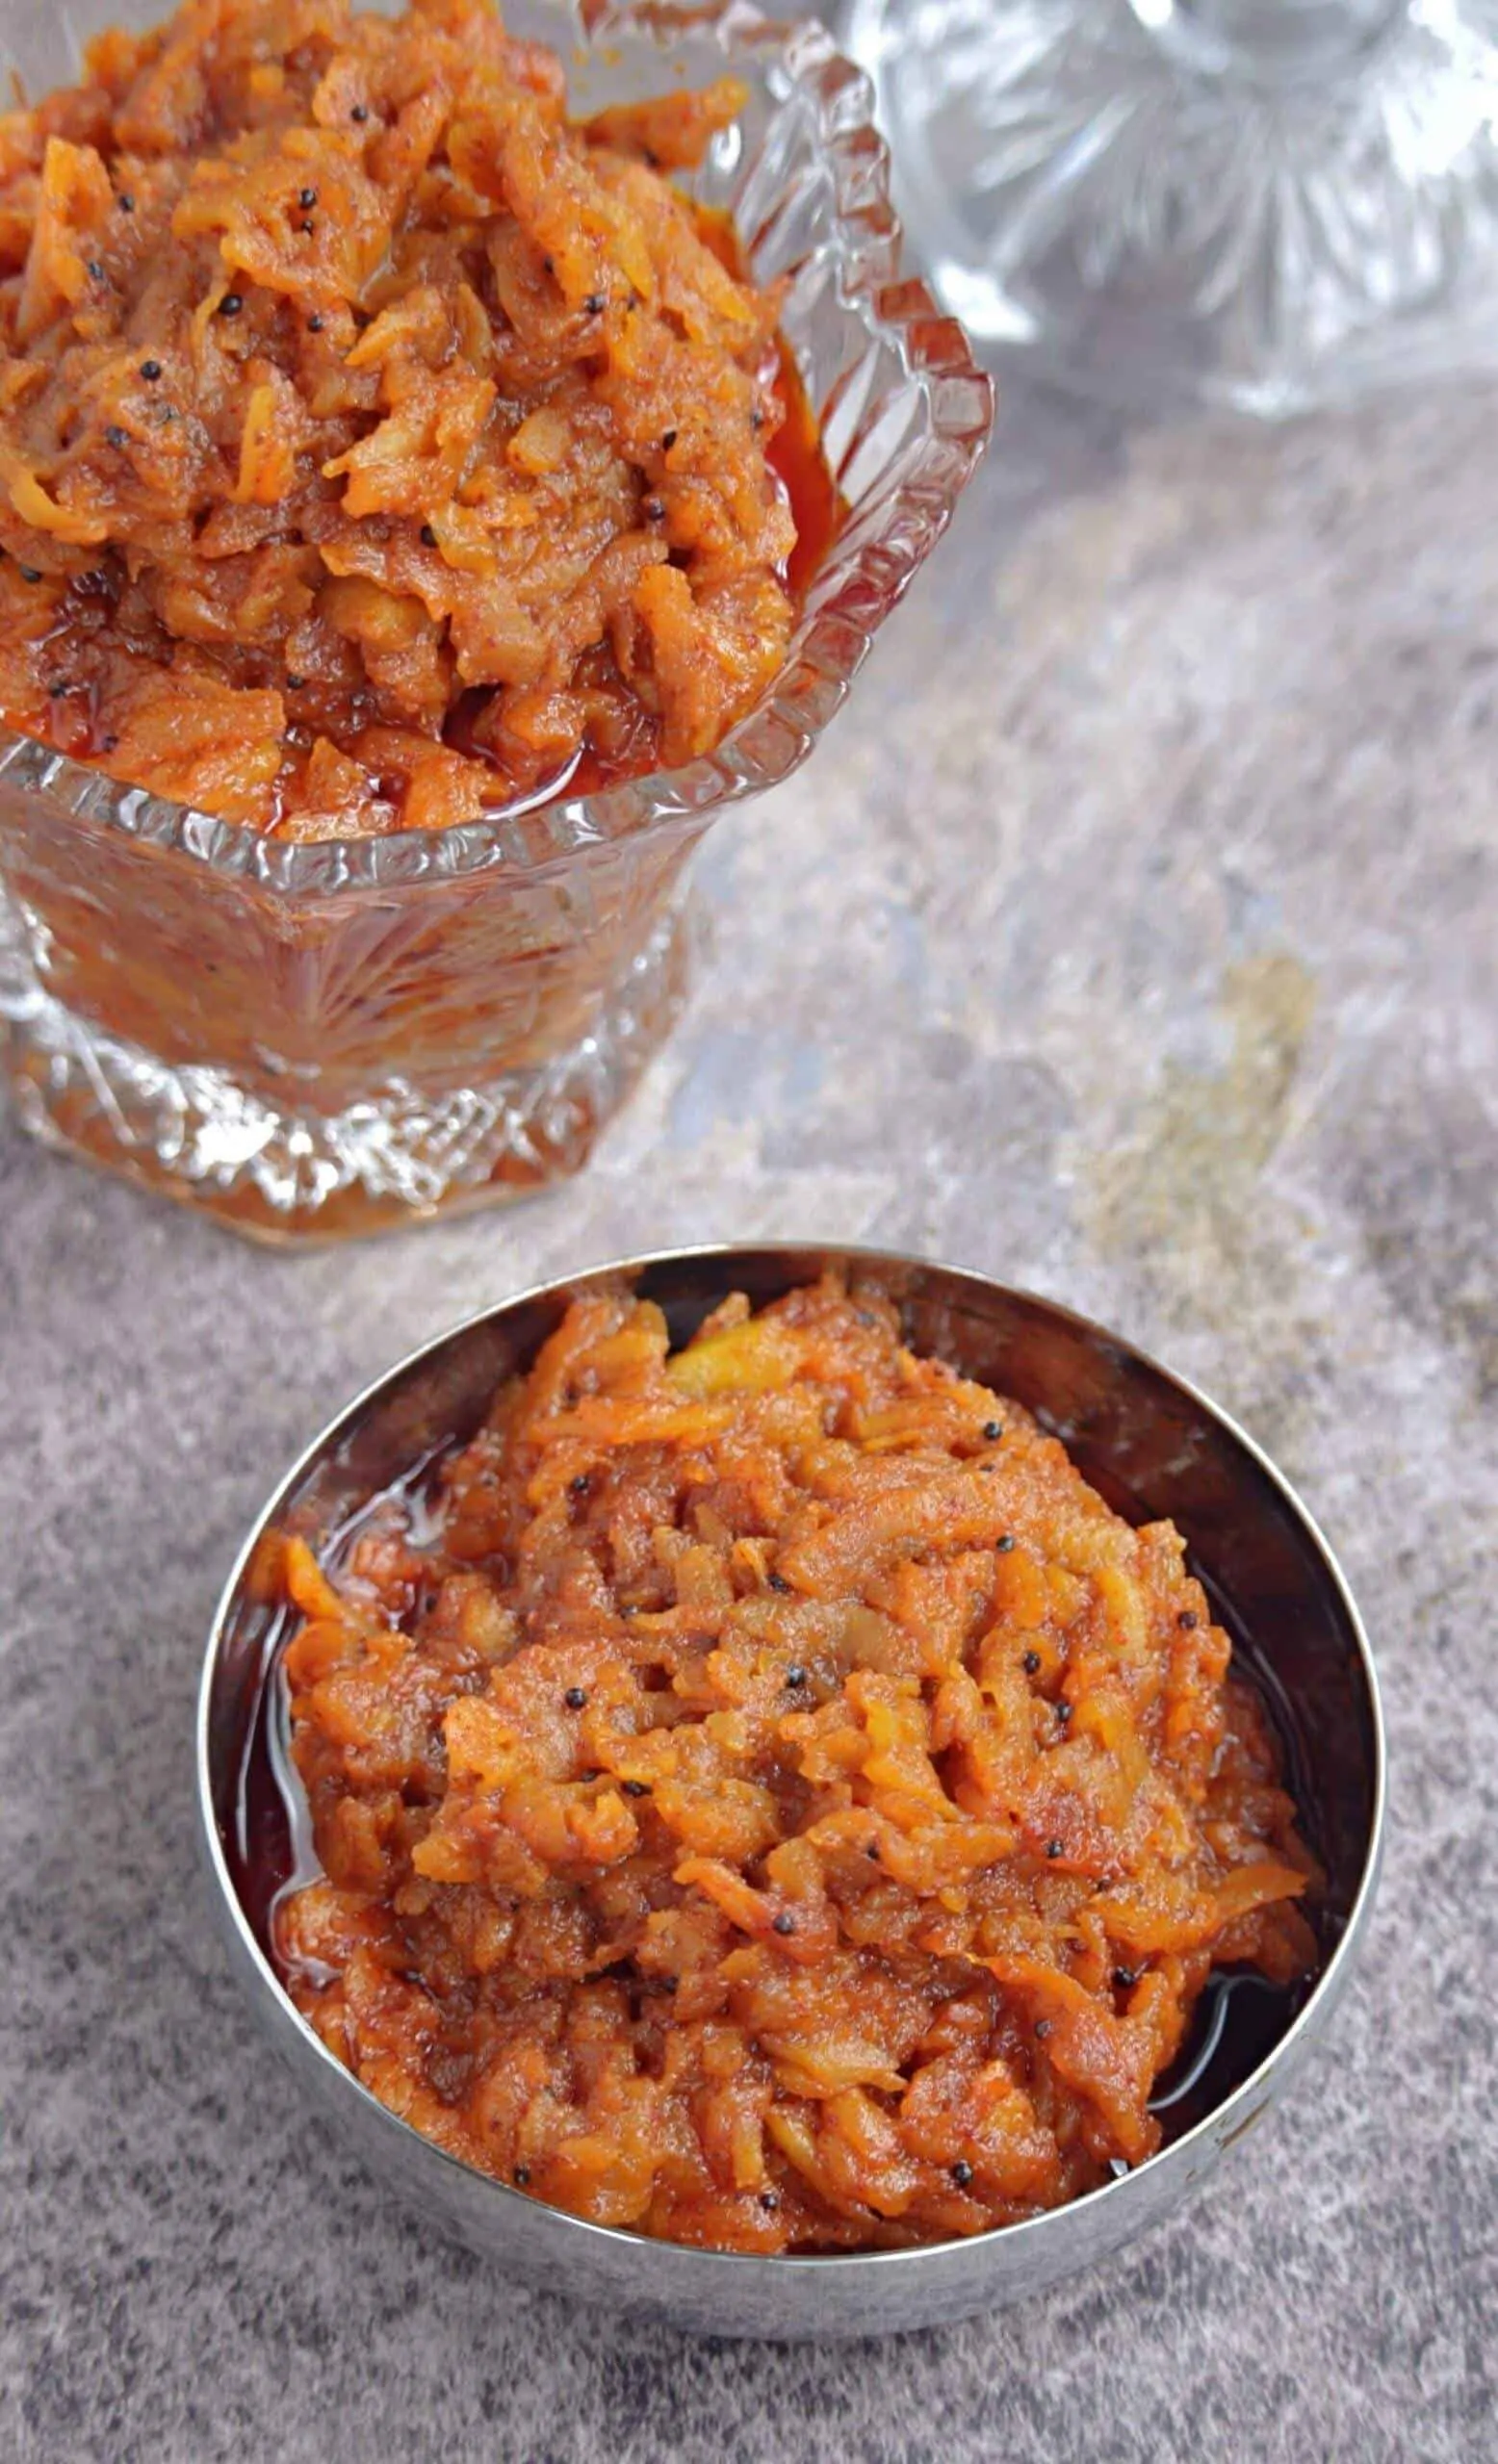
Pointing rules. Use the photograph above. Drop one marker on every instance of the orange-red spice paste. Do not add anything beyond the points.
(782, 1807)
(375, 444)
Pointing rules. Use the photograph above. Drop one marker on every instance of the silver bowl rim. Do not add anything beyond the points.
(1201, 2137)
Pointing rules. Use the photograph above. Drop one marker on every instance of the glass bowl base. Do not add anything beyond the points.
(1167, 202)
(297, 1177)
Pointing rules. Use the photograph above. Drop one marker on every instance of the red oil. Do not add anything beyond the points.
(1238, 2019)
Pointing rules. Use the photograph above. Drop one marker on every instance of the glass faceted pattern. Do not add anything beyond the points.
(319, 1040)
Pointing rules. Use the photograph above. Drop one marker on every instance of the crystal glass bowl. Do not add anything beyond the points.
(1270, 205)
(313, 1040)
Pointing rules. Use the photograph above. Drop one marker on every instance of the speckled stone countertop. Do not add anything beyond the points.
(1133, 937)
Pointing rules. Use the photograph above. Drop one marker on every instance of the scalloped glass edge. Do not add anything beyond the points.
(836, 630)
(194, 1135)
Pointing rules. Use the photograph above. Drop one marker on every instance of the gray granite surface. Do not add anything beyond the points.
(1133, 937)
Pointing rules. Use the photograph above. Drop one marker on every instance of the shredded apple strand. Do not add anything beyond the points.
(782, 1807)
(374, 441)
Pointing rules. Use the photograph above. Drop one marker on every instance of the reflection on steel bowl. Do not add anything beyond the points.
(834, 2205)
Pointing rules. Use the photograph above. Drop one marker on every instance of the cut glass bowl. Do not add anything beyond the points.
(1270, 205)
(310, 1041)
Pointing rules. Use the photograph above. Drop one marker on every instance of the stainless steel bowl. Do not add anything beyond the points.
(1155, 1446)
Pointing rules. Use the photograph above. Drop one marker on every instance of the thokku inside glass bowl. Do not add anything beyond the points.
(432, 483)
